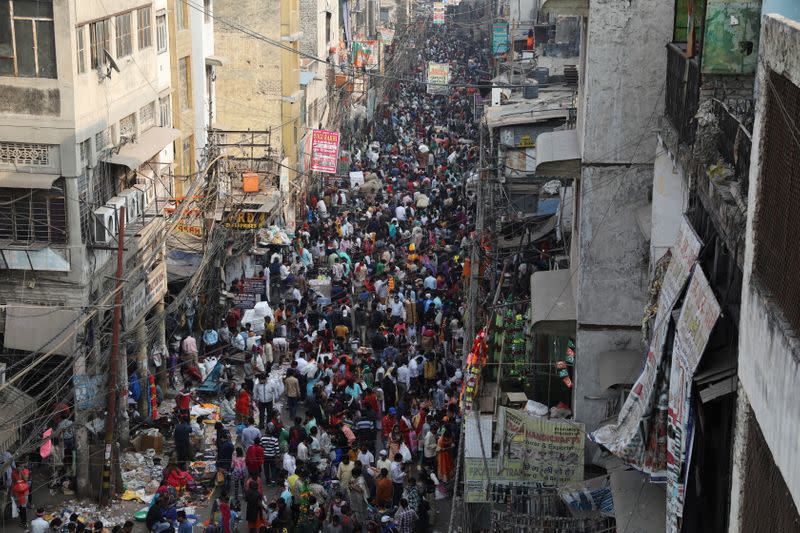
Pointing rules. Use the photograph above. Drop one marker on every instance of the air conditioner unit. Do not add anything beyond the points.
(116, 203)
(146, 190)
(132, 205)
(105, 225)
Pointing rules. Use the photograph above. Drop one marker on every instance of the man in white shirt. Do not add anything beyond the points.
(400, 213)
(310, 369)
(398, 474)
(403, 379)
(365, 456)
(39, 525)
(289, 463)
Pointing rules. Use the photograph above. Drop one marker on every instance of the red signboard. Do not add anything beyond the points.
(324, 151)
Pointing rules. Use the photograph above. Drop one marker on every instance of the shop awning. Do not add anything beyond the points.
(644, 220)
(147, 145)
(215, 61)
(26, 180)
(552, 304)
(539, 232)
(557, 154)
(619, 367)
(566, 7)
(18, 407)
(29, 327)
(638, 503)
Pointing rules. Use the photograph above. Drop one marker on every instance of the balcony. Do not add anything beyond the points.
(734, 142)
(681, 92)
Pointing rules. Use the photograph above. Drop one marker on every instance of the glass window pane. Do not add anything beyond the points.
(46, 45)
(33, 8)
(26, 61)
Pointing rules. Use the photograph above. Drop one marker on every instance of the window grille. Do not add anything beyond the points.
(777, 221)
(127, 126)
(147, 116)
(25, 153)
(33, 216)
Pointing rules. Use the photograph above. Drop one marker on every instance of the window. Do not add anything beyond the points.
(33, 216)
(86, 153)
(127, 126)
(143, 28)
(27, 39)
(187, 155)
(165, 112)
(161, 33)
(102, 139)
(180, 15)
(99, 41)
(207, 10)
(327, 27)
(25, 154)
(124, 40)
(185, 84)
(81, 44)
(777, 220)
(147, 116)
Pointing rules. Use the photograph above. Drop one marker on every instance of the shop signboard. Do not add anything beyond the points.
(438, 77)
(534, 450)
(144, 295)
(245, 220)
(365, 53)
(245, 300)
(254, 285)
(500, 42)
(438, 12)
(639, 436)
(387, 35)
(699, 313)
(324, 151)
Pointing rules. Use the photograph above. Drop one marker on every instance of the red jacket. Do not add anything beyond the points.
(254, 458)
(243, 403)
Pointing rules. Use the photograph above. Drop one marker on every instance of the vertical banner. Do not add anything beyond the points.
(438, 12)
(639, 436)
(438, 78)
(387, 35)
(324, 151)
(500, 42)
(699, 313)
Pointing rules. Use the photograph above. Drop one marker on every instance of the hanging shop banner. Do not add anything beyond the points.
(533, 451)
(639, 436)
(245, 220)
(387, 35)
(145, 295)
(438, 78)
(89, 391)
(324, 151)
(365, 53)
(699, 313)
(500, 42)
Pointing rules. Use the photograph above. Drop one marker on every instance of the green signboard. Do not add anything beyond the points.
(500, 42)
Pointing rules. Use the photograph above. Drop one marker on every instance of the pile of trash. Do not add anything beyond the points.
(140, 473)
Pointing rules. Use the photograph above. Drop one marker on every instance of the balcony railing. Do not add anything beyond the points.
(682, 91)
(734, 143)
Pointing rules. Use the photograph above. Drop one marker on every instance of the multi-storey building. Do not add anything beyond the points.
(84, 132)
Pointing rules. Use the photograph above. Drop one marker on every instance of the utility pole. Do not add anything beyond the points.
(113, 366)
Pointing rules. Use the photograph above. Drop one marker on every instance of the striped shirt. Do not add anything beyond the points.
(271, 447)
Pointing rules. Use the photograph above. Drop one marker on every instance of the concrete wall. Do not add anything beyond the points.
(625, 75)
(769, 356)
(590, 399)
(613, 252)
(669, 199)
(249, 85)
(202, 36)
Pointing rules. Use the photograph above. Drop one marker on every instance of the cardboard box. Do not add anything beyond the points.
(144, 442)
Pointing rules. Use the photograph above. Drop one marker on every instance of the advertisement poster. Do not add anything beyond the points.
(699, 313)
(365, 53)
(639, 436)
(438, 78)
(534, 450)
(324, 151)
(438, 12)
(500, 42)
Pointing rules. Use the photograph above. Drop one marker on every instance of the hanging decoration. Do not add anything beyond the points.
(476, 359)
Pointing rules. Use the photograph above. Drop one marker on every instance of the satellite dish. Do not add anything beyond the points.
(110, 59)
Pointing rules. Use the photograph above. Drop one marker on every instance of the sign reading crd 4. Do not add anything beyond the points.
(143, 296)
(245, 220)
